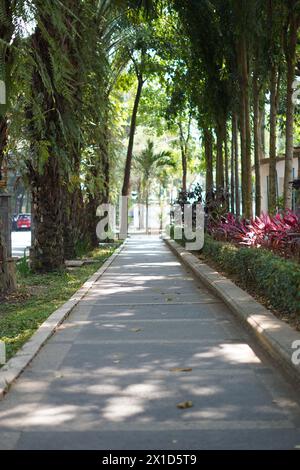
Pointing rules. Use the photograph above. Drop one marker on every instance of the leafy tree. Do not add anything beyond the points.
(208, 79)
(141, 50)
(50, 127)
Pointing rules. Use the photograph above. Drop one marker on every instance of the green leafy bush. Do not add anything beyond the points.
(82, 247)
(276, 278)
(23, 267)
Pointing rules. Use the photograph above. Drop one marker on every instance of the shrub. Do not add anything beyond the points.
(280, 233)
(215, 202)
(82, 247)
(276, 278)
(23, 267)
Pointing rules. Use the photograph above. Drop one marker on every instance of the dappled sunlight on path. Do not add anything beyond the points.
(146, 337)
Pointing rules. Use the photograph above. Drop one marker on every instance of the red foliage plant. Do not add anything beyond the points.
(280, 233)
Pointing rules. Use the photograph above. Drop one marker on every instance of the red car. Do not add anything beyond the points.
(23, 222)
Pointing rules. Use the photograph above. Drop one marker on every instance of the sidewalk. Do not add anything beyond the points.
(104, 380)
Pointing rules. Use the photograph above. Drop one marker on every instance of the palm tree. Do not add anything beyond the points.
(149, 164)
(68, 109)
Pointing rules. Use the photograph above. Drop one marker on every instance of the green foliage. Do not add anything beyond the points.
(275, 278)
(82, 247)
(70, 73)
(23, 267)
(280, 203)
(153, 105)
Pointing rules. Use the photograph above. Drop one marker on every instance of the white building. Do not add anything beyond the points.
(264, 175)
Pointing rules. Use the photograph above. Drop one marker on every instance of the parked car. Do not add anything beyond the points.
(23, 222)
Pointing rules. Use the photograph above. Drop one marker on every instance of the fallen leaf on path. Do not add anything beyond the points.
(181, 369)
(185, 404)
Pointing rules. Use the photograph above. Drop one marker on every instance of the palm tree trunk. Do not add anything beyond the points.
(262, 126)
(226, 166)
(47, 253)
(208, 149)
(6, 33)
(248, 166)
(106, 163)
(245, 127)
(45, 175)
(257, 143)
(183, 148)
(90, 210)
(232, 168)
(219, 162)
(126, 182)
(236, 166)
(184, 170)
(274, 96)
(3, 141)
(243, 152)
(73, 220)
(290, 53)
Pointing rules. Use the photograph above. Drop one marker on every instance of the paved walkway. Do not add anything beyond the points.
(104, 380)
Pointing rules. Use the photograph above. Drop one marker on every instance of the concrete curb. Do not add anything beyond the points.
(16, 365)
(273, 334)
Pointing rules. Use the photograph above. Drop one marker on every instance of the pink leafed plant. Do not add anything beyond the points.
(280, 233)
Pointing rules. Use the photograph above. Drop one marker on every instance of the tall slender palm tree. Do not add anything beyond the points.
(149, 164)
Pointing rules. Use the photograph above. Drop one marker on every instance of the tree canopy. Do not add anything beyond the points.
(89, 83)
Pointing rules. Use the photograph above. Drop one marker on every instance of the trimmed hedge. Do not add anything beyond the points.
(276, 278)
